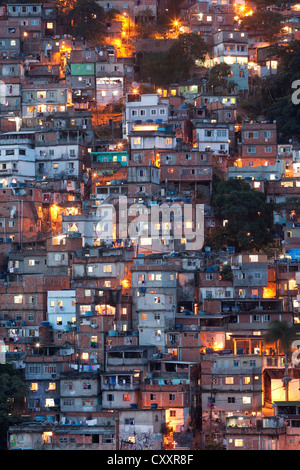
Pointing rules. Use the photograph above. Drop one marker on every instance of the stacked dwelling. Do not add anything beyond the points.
(130, 331)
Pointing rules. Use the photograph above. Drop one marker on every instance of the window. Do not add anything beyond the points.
(68, 386)
(34, 387)
(110, 397)
(252, 363)
(172, 396)
(34, 369)
(18, 299)
(251, 149)
(152, 396)
(246, 400)
(246, 380)
(126, 397)
(87, 292)
(231, 399)
(238, 442)
(144, 316)
(268, 148)
(107, 268)
(69, 402)
(229, 380)
(129, 421)
(172, 413)
(50, 369)
(59, 320)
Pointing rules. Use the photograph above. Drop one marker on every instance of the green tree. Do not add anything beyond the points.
(13, 391)
(219, 76)
(268, 21)
(282, 333)
(273, 97)
(87, 19)
(175, 64)
(249, 217)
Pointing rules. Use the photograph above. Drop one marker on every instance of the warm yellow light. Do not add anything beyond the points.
(125, 283)
(218, 346)
(134, 91)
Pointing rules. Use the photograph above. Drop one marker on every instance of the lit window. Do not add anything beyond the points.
(18, 299)
(238, 442)
(107, 268)
(59, 320)
(228, 380)
(34, 387)
(246, 400)
(126, 397)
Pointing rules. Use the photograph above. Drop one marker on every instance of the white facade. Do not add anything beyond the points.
(109, 89)
(52, 161)
(61, 308)
(94, 229)
(213, 138)
(17, 164)
(147, 107)
(153, 141)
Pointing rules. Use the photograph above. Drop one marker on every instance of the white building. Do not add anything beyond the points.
(93, 228)
(17, 158)
(145, 108)
(61, 308)
(212, 136)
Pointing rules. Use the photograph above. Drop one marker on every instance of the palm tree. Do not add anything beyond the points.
(283, 334)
